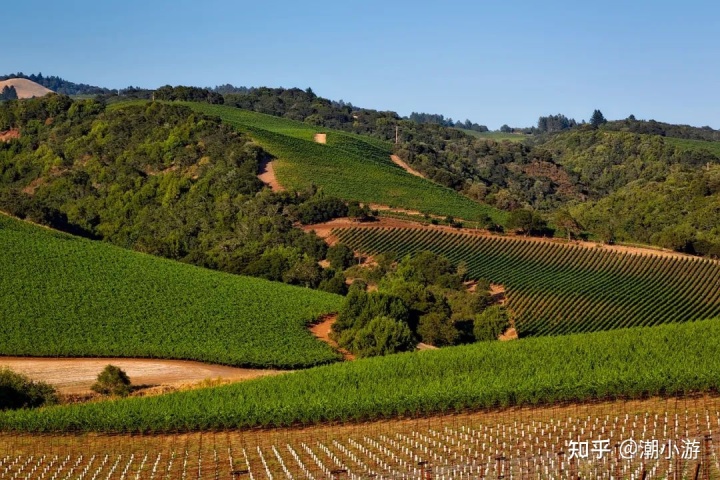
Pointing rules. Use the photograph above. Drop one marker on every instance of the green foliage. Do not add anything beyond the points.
(188, 94)
(340, 256)
(630, 363)
(557, 289)
(437, 328)
(491, 323)
(350, 166)
(8, 93)
(112, 381)
(527, 222)
(597, 119)
(157, 178)
(66, 296)
(18, 391)
(383, 336)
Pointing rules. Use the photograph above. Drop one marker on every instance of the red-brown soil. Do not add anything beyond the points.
(322, 331)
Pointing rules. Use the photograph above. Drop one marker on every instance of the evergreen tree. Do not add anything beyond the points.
(597, 119)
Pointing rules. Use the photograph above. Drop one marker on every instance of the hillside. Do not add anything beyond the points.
(349, 166)
(629, 363)
(66, 296)
(25, 88)
(58, 85)
(556, 289)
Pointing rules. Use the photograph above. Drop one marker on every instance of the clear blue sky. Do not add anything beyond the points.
(495, 63)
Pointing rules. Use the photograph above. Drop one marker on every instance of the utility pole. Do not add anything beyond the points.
(396, 134)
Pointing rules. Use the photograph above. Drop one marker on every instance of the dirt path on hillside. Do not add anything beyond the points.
(400, 163)
(322, 331)
(9, 135)
(267, 176)
(320, 138)
(76, 375)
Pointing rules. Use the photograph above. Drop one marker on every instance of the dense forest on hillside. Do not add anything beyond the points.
(160, 179)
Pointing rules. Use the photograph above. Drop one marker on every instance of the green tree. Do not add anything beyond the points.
(597, 119)
(491, 323)
(112, 381)
(383, 336)
(340, 256)
(436, 328)
(18, 391)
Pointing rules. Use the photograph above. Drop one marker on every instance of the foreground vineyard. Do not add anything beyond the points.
(628, 363)
(516, 443)
(350, 166)
(558, 289)
(66, 296)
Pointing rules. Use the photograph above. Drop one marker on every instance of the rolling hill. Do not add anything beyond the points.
(25, 88)
(349, 166)
(67, 296)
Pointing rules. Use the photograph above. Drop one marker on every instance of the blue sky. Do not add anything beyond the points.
(493, 63)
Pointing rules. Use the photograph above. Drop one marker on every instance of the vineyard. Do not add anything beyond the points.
(555, 289)
(66, 296)
(516, 443)
(349, 166)
(629, 363)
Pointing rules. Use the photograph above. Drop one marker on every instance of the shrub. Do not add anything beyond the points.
(490, 324)
(112, 381)
(382, 336)
(18, 391)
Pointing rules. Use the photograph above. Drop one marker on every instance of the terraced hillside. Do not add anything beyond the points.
(349, 166)
(557, 289)
(65, 296)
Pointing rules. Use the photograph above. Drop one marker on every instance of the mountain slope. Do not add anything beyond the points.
(349, 166)
(25, 88)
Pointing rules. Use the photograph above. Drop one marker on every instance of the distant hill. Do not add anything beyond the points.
(58, 85)
(25, 88)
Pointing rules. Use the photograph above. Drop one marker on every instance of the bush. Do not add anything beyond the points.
(340, 256)
(490, 324)
(18, 391)
(438, 329)
(112, 381)
(383, 336)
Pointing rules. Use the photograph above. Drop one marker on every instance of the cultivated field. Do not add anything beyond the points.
(629, 363)
(67, 296)
(558, 289)
(537, 443)
(348, 166)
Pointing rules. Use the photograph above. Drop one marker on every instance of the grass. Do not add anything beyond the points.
(711, 147)
(349, 166)
(65, 296)
(629, 363)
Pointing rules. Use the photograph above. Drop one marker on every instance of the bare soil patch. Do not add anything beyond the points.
(400, 163)
(8, 135)
(322, 331)
(75, 375)
(426, 346)
(267, 176)
(320, 138)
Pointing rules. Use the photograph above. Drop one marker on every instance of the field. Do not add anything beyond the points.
(67, 296)
(351, 167)
(712, 147)
(557, 289)
(514, 443)
(630, 363)
(497, 136)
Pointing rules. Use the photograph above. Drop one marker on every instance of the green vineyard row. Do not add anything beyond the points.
(557, 289)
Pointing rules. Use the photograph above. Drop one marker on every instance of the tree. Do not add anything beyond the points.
(491, 323)
(18, 391)
(383, 336)
(597, 119)
(8, 93)
(112, 381)
(506, 129)
(436, 328)
(526, 221)
(340, 256)
(564, 219)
